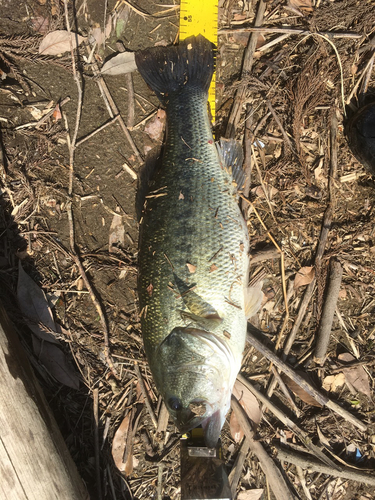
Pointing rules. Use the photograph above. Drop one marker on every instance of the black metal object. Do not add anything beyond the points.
(203, 474)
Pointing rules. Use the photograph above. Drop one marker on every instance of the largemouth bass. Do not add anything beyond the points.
(193, 258)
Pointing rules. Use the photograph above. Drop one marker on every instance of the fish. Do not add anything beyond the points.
(194, 247)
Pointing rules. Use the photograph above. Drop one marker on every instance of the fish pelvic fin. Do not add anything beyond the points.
(231, 155)
(169, 70)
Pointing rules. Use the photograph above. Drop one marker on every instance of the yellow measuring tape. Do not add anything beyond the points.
(199, 17)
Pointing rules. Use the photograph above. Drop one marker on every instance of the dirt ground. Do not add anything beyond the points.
(294, 105)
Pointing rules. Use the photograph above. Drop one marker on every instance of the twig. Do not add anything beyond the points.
(248, 140)
(112, 108)
(273, 475)
(131, 111)
(130, 90)
(162, 419)
(323, 400)
(263, 255)
(145, 394)
(314, 466)
(72, 146)
(96, 438)
(300, 433)
(282, 130)
(236, 472)
(329, 307)
(326, 226)
(99, 129)
(291, 31)
(246, 68)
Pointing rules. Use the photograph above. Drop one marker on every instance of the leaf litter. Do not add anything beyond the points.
(299, 76)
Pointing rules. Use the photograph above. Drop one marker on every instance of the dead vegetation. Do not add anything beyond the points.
(68, 221)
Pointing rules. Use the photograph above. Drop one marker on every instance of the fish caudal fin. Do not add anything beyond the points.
(169, 70)
(253, 299)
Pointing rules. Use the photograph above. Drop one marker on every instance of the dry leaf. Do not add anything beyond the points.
(117, 234)
(356, 376)
(191, 268)
(333, 382)
(55, 362)
(255, 494)
(58, 42)
(251, 406)
(305, 6)
(120, 440)
(120, 64)
(155, 127)
(268, 191)
(304, 276)
(298, 391)
(34, 307)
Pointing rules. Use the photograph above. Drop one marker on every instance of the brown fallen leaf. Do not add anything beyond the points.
(304, 276)
(58, 42)
(298, 391)
(268, 191)
(251, 406)
(120, 64)
(255, 494)
(332, 383)
(116, 234)
(120, 446)
(356, 375)
(34, 307)
(305, 6)
(55, 362)
(155, 127)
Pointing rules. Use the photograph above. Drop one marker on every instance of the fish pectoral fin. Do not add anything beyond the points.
(253, 299)
(231, 155)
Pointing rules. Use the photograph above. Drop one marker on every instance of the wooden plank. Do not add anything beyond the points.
(35, 463)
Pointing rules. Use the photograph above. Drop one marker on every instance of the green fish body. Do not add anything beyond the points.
(193, 255)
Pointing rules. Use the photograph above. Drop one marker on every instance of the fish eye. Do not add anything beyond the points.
(174, 404)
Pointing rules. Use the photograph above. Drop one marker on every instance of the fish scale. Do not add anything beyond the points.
(193, 258)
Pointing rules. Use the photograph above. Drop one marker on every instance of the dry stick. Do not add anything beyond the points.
(290, 31)
(279, 124)
(326, 226)
(130, 89)
(302, 435)
(272, 473)
(96, 438)
(263, 255)
(162, 419)
(281, 253)
(50, 113)
(248, 139)
(315, 466)
(236, 472)
(246, 68)
(324, 332)
(72, 146)
(99, 129)
(112, 108)
(145, 394)
(323, 400)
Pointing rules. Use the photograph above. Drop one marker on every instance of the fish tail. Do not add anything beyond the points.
(173, 70)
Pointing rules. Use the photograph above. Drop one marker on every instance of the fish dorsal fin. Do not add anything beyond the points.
(253, 299)
(231, 155)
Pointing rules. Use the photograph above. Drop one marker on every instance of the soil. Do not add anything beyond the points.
(298, 81)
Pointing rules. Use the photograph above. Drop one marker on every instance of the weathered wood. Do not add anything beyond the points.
(35, 463)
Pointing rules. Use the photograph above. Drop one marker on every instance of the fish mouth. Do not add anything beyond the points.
(211, 422)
